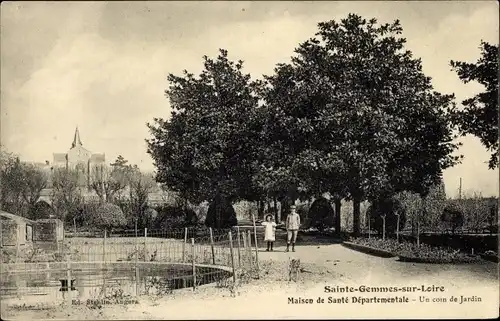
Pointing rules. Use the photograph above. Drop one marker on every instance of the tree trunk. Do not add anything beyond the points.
(285, 207)
(337, 219)
(356, 215)
(397, 228)
(418, 234)
(383, 227)
(277, 217)
(260, 205)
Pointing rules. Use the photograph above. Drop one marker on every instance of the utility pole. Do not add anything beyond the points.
(460, 189)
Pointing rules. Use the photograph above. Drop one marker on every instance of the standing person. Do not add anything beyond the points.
(269, 232)
(292, 227)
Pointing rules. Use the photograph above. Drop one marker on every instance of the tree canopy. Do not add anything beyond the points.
(480, 114)
(205, 148)
(352, 114)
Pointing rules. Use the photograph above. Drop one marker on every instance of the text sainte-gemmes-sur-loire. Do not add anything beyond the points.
(368, 290)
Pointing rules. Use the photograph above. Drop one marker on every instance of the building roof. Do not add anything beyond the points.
(60, 157)
(76, 139)
(97, 158)
(13, 217)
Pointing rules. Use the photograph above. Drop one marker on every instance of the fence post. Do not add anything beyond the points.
(249, 249)
(68, 274)
(18, 244)
(184, 244)
(397, 228)
(245, 250)
(136, 261)
(239, 245)
(194, 264)
(145, 244)
(104, 246)
(212, 245)
(256, 245)
(232, 256)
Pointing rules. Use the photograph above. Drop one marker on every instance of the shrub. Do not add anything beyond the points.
(321, 214)
(413, 253)
(452, 217)
(201, 211)
(221, 214)
(174, 216)
(108, 215)
(389, 208)
(41, 210)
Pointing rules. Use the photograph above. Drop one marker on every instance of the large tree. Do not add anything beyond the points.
(205, 148)
(34, 181)
(355, 108)
(141, 185)
(67, 197)
(20, 185)
(480, 114)
(109, 182)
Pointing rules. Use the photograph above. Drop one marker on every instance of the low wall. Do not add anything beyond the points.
(49, 230)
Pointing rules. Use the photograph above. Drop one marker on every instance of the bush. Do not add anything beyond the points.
(321, 214)
(422, 254)
(109, 216)
(389, 208)
(201, 211)
(41, 210)
(452, 217)
(221, 214)
(174, 217)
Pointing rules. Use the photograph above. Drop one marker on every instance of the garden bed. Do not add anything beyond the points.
(490, 256)
(368, 250)
(409, 252)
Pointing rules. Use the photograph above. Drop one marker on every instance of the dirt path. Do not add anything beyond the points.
(322, 265)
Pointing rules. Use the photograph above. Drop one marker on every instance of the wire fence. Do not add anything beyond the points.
(102, 267)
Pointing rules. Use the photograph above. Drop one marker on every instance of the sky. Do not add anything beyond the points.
(103, 66)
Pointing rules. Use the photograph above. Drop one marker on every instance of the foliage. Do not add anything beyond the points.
(480, 115)
(206, 147)
(41, 210)
(107, 182)
(434, 204)
(321, 214)
(423, 253)
(174, 216)
(66, 194)
(141, 185)
(477, 211)
(452, 217)
(350, 113)
(21, 184)
(221, 214)
(390, 208)
(108, 216)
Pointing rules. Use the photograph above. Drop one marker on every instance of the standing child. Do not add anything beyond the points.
(292, 227)
(269, 232)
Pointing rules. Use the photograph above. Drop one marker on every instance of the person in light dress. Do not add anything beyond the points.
(269, 232)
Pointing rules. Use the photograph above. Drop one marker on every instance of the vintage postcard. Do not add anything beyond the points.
(249, 160)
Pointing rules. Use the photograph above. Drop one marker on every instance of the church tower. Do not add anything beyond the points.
(76, 139)
(79, 158)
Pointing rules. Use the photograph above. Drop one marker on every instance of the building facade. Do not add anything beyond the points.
(80, 159)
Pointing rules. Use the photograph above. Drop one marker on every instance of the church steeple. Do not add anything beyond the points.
(76, 139)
